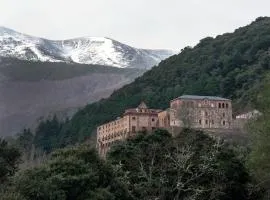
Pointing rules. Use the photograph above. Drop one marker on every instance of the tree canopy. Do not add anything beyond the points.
(190, 166)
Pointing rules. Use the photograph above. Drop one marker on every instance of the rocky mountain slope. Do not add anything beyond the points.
(31, 91)
(84, 50)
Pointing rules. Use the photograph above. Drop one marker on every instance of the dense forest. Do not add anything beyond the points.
(232, 65)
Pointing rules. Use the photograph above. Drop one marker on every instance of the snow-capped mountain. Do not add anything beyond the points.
(85, 50)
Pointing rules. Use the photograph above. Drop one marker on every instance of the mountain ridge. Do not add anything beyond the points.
(83, 50)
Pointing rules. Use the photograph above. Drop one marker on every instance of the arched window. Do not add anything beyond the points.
(223, 105)
(219, 105)
(224, 123)
(227, 105)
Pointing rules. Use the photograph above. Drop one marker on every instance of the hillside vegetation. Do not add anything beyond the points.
(20, 70)
(231, 65)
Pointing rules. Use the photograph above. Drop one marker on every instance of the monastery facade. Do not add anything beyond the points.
(200, 112)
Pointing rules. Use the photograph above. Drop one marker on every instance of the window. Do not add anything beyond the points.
(227, 105)
(212, 121)
(133, 118)
(206, 121)
(206, 113)
(200, 121)
(219, 105)
(133, 129)
(153, 119)
(223, 105)
(224, 123)
(223, 114)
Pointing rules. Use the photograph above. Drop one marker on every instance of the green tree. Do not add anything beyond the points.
(190, 166)
(9, 160)
(47, 134)
(259, 129)
(73, 173)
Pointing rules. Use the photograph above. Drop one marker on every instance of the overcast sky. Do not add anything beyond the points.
(171, 24)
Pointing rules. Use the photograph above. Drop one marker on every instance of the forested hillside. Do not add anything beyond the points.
(231, 65)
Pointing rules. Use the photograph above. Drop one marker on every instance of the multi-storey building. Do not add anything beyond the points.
(133, 120)
(203, 112)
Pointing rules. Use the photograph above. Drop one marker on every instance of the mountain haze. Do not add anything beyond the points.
(31, 91)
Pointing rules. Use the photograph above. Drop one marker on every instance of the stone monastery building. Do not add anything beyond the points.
(201, 112)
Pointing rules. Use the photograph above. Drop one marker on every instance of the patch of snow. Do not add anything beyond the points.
(85, 50)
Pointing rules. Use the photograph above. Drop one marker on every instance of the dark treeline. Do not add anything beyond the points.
(150, 166)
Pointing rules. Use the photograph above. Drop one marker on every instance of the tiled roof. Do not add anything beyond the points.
(147, 111)
(196, 97)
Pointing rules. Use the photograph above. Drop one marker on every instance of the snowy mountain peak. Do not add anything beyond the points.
(85, 50)
(6, 30)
